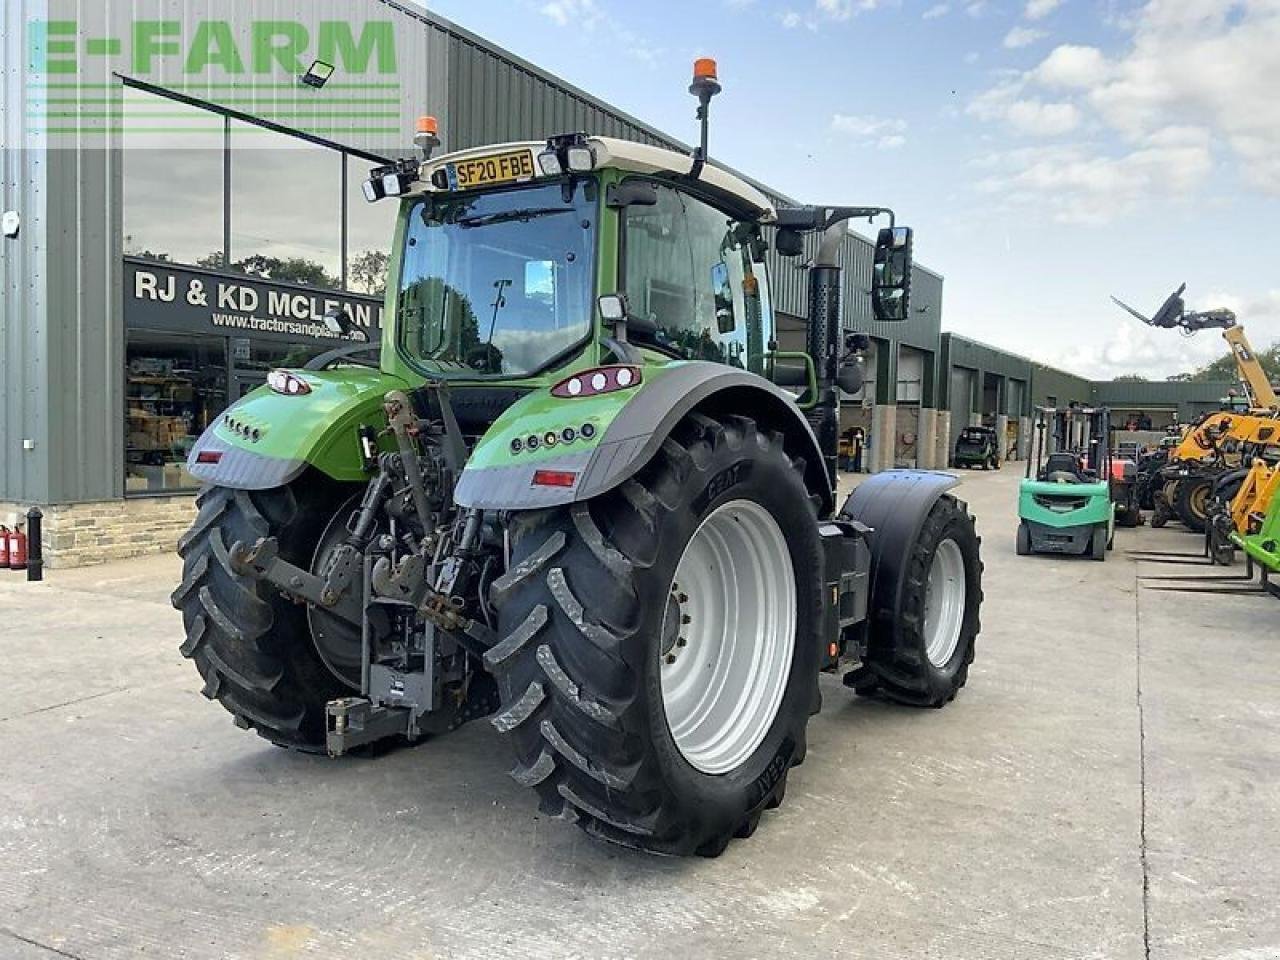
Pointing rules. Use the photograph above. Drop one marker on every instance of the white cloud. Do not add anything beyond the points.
(1023, 37)
(1133, 347)
(1039, 9)
(972, 56)
(1071, 67)
(883, 133)
(1195, 84)
(1087, 183)
(1039, 119)
(586, 16)
(936, 11)
(790, 19)
(866, 126)
(977, 8)
(582, 13)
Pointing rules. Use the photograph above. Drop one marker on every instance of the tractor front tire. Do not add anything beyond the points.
(252, 647)
(599, 615)
(908, 661)
(1023, 544)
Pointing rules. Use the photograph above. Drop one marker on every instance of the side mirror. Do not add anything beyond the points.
(788, 243)
(614, 310)
(723, 295)
(891, 274)
(632, 193)
(337, 320)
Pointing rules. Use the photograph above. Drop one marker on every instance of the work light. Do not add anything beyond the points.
(580, 158)
(317, 74)
(549, 163)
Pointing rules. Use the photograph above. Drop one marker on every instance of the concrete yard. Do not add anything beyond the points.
(1108, 785)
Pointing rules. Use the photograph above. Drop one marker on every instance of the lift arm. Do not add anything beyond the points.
(1261, 396)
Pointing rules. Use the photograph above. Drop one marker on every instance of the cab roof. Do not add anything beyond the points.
(630, 156)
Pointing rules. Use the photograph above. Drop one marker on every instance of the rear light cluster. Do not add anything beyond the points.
(282, 381)
(592, 383)
(551, 438)
(246, 430)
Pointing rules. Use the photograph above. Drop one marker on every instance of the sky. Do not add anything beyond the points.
(1049, 153)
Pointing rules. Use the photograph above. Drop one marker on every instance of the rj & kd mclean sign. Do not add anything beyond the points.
(158, 296)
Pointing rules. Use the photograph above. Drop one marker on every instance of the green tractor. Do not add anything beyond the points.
(1065, 503)
(581, 493)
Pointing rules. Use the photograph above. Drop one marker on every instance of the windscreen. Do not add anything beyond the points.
(497, 284)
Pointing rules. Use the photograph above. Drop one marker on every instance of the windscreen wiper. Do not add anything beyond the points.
(506, 216)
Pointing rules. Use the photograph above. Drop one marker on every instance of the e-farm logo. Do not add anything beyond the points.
(249, 65)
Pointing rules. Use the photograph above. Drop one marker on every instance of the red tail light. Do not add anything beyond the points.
(554, 478)
(209, 456)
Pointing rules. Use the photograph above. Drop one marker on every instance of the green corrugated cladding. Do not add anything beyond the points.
(957, 351)
(1059, 386)
(1189, 398)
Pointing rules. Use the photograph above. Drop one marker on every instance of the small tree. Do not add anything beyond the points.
(1131, 378)
(367, 272)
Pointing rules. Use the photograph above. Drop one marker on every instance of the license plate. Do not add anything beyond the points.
(495, 168)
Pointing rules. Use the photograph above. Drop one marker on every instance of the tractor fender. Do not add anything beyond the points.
(633, 428)
(894, 504)
(267, 440)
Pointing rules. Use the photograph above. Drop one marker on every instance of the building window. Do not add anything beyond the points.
(173, 195)
(174, 388)
(286, 207)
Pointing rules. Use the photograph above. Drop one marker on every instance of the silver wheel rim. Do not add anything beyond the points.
(944, 603)
(728, 635)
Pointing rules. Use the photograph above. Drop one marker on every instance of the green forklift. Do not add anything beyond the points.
(1065, 502)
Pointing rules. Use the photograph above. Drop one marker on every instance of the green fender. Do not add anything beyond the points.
(623, 430)
(268, 439)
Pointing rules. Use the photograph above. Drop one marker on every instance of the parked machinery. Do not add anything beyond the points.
(1065, 501)
(1220, 441)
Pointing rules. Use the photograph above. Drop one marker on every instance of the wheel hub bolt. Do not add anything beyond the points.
(671, 658)
(680, 643)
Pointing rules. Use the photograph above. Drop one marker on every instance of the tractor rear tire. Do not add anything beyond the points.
(591, 618)
(253, 647)
(899, 665)
(1191, 502)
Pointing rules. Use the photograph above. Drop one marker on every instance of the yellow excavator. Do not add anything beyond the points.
(1221, 441)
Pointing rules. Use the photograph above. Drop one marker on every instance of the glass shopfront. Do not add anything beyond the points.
(234, 249)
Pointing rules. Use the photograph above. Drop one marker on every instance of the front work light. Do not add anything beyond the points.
(373, 191)
(391, 185)
(317, 74)
(580, 159)
(549, 164)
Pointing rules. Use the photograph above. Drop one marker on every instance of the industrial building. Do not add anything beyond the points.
(185, 195)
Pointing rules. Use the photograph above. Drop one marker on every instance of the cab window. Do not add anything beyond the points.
(691, 270)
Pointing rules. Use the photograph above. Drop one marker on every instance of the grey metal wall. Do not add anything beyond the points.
(61, 337)
(23, 347)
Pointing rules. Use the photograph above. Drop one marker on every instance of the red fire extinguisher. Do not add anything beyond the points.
(17, 549)
(4, 547)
